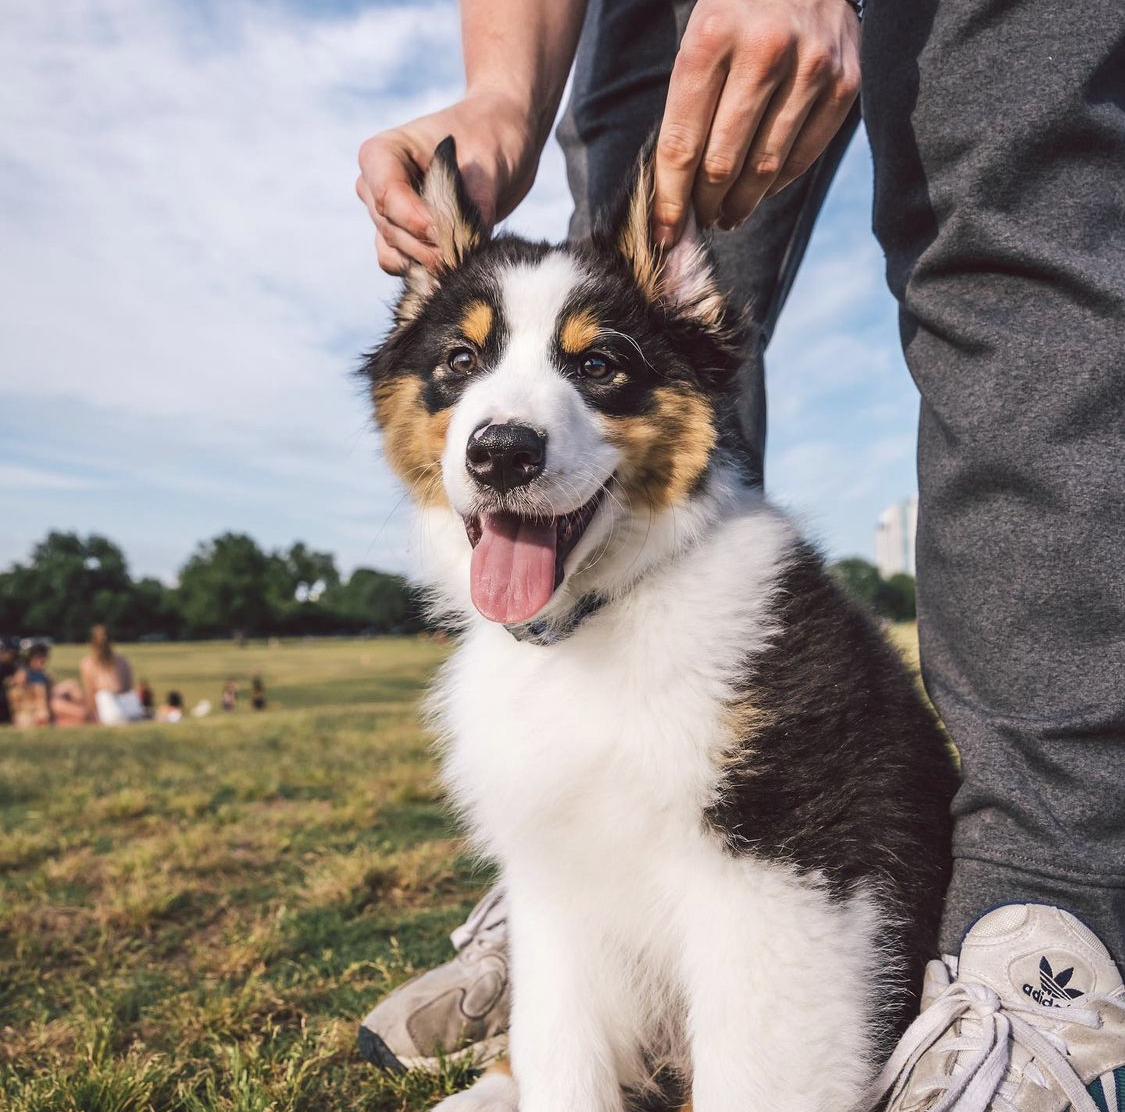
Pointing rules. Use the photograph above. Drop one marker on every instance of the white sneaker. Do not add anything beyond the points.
(458, 1010)
(1031, 1018)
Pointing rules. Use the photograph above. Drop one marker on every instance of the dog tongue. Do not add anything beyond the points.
(513, 570)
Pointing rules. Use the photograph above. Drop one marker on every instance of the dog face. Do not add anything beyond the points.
(559, 401)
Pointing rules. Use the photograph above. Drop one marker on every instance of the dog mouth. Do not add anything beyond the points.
(518, 562)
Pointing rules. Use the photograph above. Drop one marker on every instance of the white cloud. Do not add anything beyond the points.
(15, 477)
(188, 240)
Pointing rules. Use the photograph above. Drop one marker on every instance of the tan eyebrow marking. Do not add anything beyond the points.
(476, 324)
(578, 332)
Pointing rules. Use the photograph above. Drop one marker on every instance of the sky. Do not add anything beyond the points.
(187, 282)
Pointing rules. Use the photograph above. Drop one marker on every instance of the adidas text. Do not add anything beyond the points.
(1041, 997)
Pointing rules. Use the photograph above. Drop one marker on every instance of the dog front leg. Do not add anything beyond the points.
(780, 1004)
(561, 992)
(494, 1091)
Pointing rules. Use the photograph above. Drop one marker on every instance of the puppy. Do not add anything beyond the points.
(719, 807)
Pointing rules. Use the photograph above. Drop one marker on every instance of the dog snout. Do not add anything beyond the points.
(506, 456)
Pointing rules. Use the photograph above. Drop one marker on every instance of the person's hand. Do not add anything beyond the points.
(757, 91)
(498, 153)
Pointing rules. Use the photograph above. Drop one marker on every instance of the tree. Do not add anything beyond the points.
(895, 598)
(309, 573)
(154, 610)
(858, 577)
(228, 586)
(14, 592)
(892, 598)
(376, 600)
(69, 585)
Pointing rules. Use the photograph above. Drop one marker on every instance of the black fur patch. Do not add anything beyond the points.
(844, 771)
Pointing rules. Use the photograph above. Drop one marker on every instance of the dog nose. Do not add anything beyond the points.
(506, 456)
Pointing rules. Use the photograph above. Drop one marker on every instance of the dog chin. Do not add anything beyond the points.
(520, 562)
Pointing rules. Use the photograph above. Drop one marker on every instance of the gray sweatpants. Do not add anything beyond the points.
(998, 134)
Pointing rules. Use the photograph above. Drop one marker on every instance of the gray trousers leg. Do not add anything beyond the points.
(998, 131)
(998, 139)
(620, 82)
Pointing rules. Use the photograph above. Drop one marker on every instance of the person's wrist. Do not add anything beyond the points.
(514, 107)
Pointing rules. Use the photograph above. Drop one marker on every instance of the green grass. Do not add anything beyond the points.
(904, 637)
(298, 674)
(196, 916)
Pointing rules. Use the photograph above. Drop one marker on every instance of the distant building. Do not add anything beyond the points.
(894, 538)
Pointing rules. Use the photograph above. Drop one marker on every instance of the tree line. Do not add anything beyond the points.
(228, 587)
(893, 597)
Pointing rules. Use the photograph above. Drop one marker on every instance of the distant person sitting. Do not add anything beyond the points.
(230, 695)
(37, 700)
(257, 693)
(29, 690)
(107, 680)
(173, 708)
(148, 700)
(9, 666)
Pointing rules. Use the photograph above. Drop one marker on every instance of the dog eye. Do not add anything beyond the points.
(462, 360)
(597, 368)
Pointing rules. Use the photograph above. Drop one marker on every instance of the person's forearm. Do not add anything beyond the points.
(517, 57)
(523, 49)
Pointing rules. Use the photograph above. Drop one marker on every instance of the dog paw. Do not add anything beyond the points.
(494, 1092)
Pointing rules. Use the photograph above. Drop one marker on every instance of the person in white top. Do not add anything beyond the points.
(107, 681)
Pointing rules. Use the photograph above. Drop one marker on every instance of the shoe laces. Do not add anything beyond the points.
(989, 1029)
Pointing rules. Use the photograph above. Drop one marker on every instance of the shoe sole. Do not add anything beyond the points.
(376, 1051)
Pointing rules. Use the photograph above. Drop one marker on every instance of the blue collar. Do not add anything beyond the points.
(550, 631)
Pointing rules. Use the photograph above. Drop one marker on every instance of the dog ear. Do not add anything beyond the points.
(681, 277)
(458, 227)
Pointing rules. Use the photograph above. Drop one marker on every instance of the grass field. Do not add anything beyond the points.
(904, 637)
(196, 916)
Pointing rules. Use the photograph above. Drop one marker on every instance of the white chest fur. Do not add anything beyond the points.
(610, 738)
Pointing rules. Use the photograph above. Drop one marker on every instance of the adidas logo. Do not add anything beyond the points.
(1052, 991)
